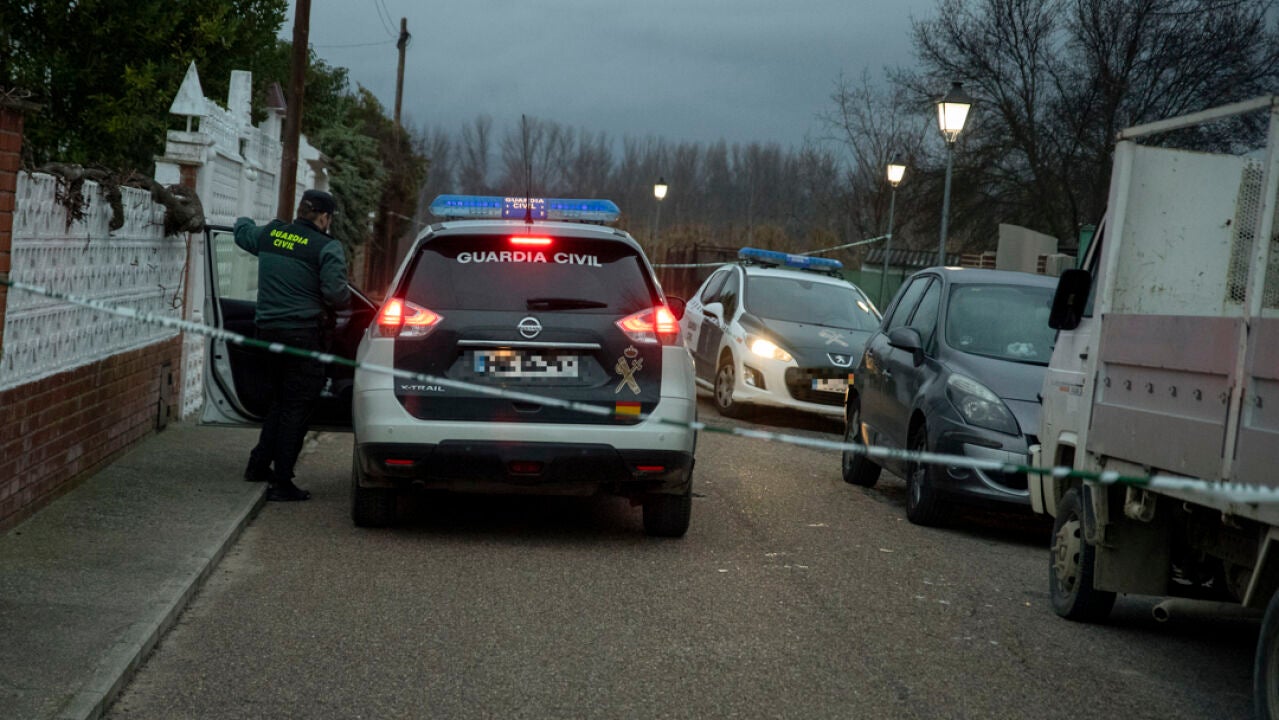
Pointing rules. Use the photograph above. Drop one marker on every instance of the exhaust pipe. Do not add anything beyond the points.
(1166, 610)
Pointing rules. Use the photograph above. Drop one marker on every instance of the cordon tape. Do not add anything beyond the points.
(1232, 491)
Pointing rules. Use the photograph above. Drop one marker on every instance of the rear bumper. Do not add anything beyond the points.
(524, 467)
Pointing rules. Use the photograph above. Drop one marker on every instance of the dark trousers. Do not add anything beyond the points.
(293, 385)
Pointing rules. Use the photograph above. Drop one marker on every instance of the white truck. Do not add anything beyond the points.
(1167, 364)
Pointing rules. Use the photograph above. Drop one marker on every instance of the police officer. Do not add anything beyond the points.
(301, 284)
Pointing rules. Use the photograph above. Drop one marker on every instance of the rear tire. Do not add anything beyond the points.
(725, 383)
(923, 506)
(668, 515)
(1070, 566)
(857, 468)
(1265, 669)
(371, 507)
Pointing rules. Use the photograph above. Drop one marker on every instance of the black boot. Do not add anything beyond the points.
(286, 491)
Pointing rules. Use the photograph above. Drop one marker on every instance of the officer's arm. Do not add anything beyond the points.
(337, 296)
(248, 235)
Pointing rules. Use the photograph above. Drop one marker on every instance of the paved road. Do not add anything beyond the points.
(794, 595)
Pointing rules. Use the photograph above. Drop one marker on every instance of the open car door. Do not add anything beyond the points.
(234, 391)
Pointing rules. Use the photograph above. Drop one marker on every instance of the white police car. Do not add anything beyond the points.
(778, 329)
(540, 297)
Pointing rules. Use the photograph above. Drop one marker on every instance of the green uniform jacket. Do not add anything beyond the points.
(301, 273)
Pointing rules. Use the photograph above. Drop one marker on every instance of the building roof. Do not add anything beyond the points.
(906, 258)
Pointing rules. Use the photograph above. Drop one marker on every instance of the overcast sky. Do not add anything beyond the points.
(700, 70)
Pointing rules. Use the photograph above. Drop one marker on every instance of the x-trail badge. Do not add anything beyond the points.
(530, 327)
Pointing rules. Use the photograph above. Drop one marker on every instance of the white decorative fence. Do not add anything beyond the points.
(135, 265)
(235, 165)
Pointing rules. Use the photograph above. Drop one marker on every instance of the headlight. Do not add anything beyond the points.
(979, 406)
(767, 349)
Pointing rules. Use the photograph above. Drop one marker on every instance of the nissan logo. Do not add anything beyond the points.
(530, 327)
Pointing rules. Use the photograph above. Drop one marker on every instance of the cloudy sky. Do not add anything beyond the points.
(700, 70)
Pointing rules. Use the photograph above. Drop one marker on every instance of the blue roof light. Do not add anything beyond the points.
(473, 207)
(802, 262)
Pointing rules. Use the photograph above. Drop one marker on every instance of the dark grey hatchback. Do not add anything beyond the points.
(955, 367)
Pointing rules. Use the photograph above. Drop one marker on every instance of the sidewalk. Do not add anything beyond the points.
(90, 583)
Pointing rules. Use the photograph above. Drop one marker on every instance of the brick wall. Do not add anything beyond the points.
(58, 431)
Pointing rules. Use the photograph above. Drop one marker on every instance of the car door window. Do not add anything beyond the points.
(236, 270)
(924, 319)
(906, 304)
(728, 295)
(713, 285)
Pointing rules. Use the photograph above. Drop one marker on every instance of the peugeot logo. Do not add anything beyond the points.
(840, 359)
(530, 327)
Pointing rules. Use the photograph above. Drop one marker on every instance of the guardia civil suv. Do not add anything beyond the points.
(537, 297)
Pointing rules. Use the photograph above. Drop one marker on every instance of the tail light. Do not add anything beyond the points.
(401, 318)
(654, 326)
(534, 241)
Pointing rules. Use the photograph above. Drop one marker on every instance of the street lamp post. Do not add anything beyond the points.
(659, 192)
(896, 170)
(952, 112)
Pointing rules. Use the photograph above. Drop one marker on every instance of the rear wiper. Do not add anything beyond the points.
(560, 303)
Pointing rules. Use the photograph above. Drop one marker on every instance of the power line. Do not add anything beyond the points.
(388, 23)
(352, 45)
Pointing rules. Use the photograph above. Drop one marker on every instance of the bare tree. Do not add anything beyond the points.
(876, 125)
(1055, 80)
(473, 161)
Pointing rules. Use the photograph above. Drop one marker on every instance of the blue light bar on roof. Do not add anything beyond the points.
(471, 207)
(803, 262)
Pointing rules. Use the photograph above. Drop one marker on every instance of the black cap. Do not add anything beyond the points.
(319, 201)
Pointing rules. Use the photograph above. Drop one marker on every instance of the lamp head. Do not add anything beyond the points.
(952, 111)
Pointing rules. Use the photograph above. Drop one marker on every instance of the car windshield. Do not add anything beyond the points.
(809, 301)
(1008, 322)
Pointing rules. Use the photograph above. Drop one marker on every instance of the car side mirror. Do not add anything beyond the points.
(908, 339)
(713, 309)
(1070, 300)
(677, 306)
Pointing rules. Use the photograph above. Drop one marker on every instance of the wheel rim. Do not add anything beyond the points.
(1067, 548)
(724, 386)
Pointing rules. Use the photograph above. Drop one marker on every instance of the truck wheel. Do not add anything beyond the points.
(725, 381)
(370, 507)
(1265, 667)
(923, 506)
(668, 515)
(1070, 566)
(858, 469)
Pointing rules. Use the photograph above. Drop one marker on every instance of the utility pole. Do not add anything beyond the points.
(402, 43)
(293, 116)
(386, 262)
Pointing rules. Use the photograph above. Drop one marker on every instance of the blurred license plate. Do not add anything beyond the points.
(824, 385)
(525, 364)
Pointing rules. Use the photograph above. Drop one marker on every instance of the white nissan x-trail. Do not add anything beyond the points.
(565, 310)
(548, 302)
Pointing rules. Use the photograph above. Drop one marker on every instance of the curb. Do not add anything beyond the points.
(115, 671)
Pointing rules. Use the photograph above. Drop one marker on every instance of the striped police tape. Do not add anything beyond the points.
(1233, 492)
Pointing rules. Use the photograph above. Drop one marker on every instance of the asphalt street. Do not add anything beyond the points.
(794, 595)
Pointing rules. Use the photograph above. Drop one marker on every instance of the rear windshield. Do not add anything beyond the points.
(1002, 321)
(809, 301)
(491, 272)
